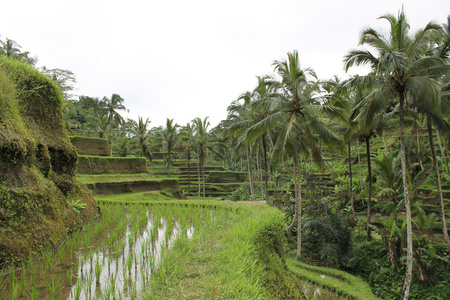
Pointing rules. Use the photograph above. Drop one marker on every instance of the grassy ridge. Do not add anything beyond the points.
(237, 255)
(332, 279)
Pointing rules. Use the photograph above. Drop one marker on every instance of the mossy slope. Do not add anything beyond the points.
(91, 146)
(37, 165)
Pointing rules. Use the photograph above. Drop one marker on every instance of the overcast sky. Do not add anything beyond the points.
(183, 59)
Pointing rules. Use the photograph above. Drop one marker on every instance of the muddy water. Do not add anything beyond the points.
(112, 259)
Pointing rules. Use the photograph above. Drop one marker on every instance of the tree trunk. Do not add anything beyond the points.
(250, 175)
(439, 187)
(198, 174)
(369, 188)
(359, 165)
(440, 146)
(299, 199)
(288, 229)
(266, 177)
(409, 242)
(419, 153)
(258, 160)
(202, 170)
(350, 177)
(168, 160)
(189, 173)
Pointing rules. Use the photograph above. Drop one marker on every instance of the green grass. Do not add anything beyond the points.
(85, 179)
(236, 255)
(332, 279)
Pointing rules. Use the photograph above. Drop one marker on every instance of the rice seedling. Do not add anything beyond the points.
(14, 293)
(2, 277)
(78, 290)
(69, 275)
(88, 284)
(23, 281)
(129, 263)
(54, 288)
(12, 275)
(97, 271)
(61, 255)
(34, 294)
(133, 291)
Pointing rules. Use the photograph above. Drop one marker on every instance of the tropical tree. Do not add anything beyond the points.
(112, 105)
(140, 132)
(366, 131)
(169, 137)
(188, 146)
(201, 141)
(239, 119)
(400, 72)
(65, 79)
(295, 108)
(12, 49)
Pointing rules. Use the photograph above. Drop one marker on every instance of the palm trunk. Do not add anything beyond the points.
(288, 229)
(198, 174)
(189, 173)
(299, 200)
(250, 175)
(265, 168)
(168, 160)
(202, 169)
(409, 242)
(258, 160)
(369, 192)
(419, 153)
(359, 165)
(350, 176)
(439, 187)
(440, 146)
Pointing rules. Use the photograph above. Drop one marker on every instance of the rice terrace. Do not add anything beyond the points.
(309, 189)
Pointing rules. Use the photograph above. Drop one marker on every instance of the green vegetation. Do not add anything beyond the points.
(91, 146)
(37, 166)
(239, 255)
(339, 281)
(95, 165)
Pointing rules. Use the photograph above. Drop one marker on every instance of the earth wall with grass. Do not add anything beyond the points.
(91, 146)
(95, 165)
(38, 190)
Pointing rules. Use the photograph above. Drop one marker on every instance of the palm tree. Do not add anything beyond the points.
(261, 109)
(169, 137)
(207, 142)
(399, 71)
(141, 133)
(238, 121)
(12, 49)
(201, 139)
(112, 106)
(339, 97)
(388, 171)
(187, 141)
(295, 106)
(366, 130)
(438, 176)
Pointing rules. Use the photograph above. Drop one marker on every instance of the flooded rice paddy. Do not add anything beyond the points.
(113, 258)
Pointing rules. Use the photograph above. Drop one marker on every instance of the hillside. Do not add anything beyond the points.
(40, 200)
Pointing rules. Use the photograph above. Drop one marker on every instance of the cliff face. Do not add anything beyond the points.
(37, 166)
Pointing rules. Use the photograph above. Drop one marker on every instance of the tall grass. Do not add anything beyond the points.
(226, 258)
